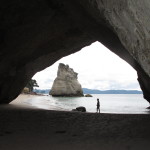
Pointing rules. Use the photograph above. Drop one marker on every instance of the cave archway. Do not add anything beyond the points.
(97, 67)
(35, 36)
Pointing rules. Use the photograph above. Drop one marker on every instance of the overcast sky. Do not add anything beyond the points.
(97, 68)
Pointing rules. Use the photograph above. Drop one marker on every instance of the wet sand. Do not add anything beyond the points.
(30, 128)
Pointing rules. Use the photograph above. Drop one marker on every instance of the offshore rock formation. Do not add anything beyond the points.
(88, 95)
(66, 83)
(35, 34)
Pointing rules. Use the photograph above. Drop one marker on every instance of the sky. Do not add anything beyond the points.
(97, 68)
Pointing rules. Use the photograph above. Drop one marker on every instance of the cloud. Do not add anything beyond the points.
(97, 68)
(111, 85)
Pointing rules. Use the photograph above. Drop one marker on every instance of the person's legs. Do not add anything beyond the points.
(96, 110)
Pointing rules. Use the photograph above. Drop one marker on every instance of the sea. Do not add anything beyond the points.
(109, 103)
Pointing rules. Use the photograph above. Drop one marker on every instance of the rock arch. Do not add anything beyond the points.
(35, 34)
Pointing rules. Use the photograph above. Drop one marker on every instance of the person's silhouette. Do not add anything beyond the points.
(98, 106)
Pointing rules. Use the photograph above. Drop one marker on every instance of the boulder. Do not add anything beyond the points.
(88, 95)
(148, 107)
(26, 90)
(66, 83)
(81, 108)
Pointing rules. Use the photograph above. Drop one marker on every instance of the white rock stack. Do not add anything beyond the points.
(66, 83)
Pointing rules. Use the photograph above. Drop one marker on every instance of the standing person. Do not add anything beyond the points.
(98, 106)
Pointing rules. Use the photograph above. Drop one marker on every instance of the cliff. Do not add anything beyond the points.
(66, 83)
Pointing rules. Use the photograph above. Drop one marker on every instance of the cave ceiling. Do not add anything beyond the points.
(35, 34)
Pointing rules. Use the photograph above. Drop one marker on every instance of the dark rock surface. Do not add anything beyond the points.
(35, 34)
(148, 107)
(88, 95)
(81, 108)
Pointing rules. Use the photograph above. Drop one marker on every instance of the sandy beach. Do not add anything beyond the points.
(29, 101)
(30, 128)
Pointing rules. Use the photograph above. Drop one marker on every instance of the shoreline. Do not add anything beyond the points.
(36, 101)
(23, 101)
(23, 127)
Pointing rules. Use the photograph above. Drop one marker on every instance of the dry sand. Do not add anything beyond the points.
(23, 128)
(22, 98)
(30, 101)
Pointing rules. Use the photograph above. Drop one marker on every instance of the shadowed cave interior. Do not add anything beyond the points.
(35, 36)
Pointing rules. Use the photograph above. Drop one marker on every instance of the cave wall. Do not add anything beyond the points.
(129, 34)
(35, 34)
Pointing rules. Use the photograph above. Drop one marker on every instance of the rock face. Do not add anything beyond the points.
(35, 34)
(81, 109)
(66, 83)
